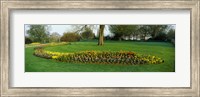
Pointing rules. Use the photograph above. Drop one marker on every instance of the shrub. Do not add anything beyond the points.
(70, 37)
(122, 57)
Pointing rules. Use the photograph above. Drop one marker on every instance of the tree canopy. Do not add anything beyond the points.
(142, 31)
(122, 30)
(38, 33)
(87, 34)
(171, 34)
(154, 30)
(54, 37)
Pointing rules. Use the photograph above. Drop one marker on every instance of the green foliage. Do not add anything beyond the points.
(171, 34)
(154, 30)
(121, 57)
(70, 37)
(122, 30)
(28, 40)
(143, 31)
(87, 34)
(157, 32)
(38, 33)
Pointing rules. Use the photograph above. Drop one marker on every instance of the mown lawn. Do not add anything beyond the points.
(163, 50)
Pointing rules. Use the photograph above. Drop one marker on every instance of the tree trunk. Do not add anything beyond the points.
(101, 31)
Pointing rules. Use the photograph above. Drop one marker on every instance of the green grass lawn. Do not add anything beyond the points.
(162, 50)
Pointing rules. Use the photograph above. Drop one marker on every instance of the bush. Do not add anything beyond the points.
(122, 57)
(70, 37)
(28, 40)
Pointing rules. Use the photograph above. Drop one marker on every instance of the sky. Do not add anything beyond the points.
(60, 28)
(67, 28)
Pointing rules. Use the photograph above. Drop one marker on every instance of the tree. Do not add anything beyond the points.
(117, 30)
(38, 33)
(143, 31)
(79, 28)
(70, 37)
(87, 34)
(101, 34)
(171, 34)
(157, 32)
(54, 37)
(122, 30)
(154, 30)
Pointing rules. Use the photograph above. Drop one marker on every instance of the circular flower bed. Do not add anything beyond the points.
(99, 57)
